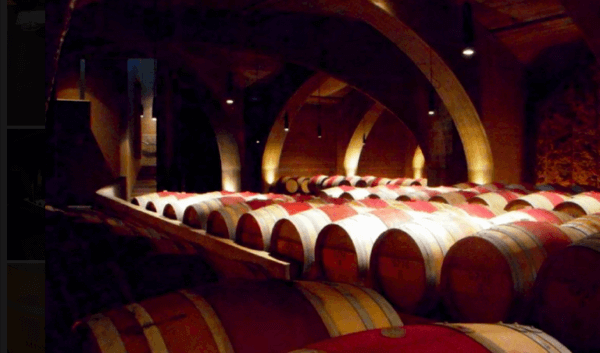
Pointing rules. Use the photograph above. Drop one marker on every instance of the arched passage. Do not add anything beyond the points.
(356, 141)
(221, 117)
(276, 139)
(379, 15)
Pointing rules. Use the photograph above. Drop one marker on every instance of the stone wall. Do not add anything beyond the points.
(568, 133)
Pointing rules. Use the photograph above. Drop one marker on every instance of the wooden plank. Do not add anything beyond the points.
(227, 257)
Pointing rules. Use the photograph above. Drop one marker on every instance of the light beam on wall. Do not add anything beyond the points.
(418, 163)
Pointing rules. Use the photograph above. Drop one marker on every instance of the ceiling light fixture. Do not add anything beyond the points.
(431, 110)
(286, 123)
(229, 100)
(468, 31)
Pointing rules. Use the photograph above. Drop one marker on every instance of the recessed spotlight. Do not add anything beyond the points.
(229, 101)
(257, 141)
(154, 118)
(468, 52)
(432, 112)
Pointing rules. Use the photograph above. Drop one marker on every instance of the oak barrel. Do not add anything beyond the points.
(366, 181)
(343, 248)
(254, 228)
(543, 199)
(477, 210)
(158, 205)
(406, 260)
(335, 191)
(443, 338)
(454, 197)
(335, 180)
(567, 296)
(581, 204)
(315, 183)
(488, 277)
(496, 200)
(582, 226)
(238, 316)
(223, 222)
(293, 238)
(142, 200)
(196, 215)
(532, 214)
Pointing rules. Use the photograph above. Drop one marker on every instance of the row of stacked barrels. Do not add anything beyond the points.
(312, 185)
(361, 241)
(284, 316)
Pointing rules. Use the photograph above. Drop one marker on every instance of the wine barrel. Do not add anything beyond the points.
(315, 183)
(488, 277)
(479, 211)
(408, 182)
(489, 187)
(293, 238)
(223, 222)
(353, 180)
(442, 338)
(303, 183)
(158, 205)
(406, 260)
(566, 295)
(423, 195)
(581, 204)
(356, 194)
(366, 181)
(196, 215)
(532, 214)
(543, 199)
(240, 317)
(142, 200)
(381, 181)
(335, 180)
(176, 210)
(343, 248)
(454, 197)
(335, 191)
(382, 192)
(287, 185)
(582, 226)
(254, 228)
(426, 206)
(25, 307)
(465, 185)
(496, 200)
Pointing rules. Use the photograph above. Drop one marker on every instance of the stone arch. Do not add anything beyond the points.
(380, 15)
(355, 145)
(276, 139)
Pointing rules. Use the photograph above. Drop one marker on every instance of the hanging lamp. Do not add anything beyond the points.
(468, 31)
(286, 123)
(431, 110)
